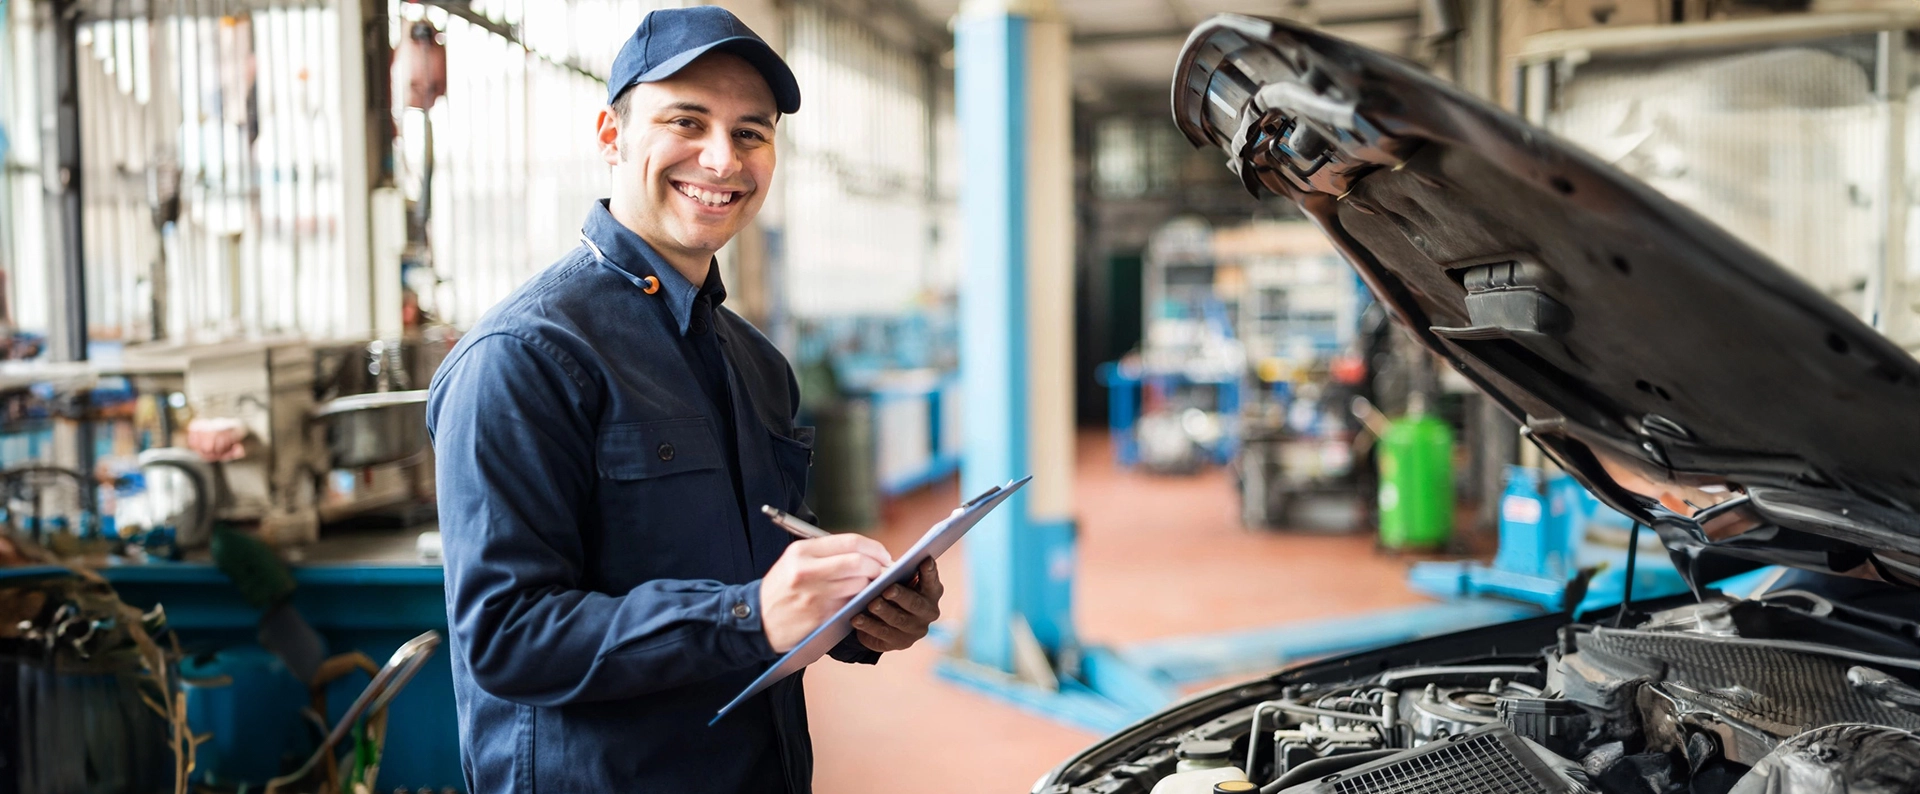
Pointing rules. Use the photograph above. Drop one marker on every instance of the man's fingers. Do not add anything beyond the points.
(911, 602)
(844, 589)
(893, 615)
(844, 566)
(878, 629)
(842, 543)
(875, 643)
(930, 585)
(869, 547)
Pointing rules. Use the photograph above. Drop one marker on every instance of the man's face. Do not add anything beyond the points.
(693, 159)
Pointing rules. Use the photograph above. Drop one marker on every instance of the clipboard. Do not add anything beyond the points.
(938, 539)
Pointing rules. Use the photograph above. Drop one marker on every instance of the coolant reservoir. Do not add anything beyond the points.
(1197, 754)
(1199, 781)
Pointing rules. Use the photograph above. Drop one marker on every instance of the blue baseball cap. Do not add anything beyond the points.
(670, 38)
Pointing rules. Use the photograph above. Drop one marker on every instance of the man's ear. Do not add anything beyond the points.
(607, 135)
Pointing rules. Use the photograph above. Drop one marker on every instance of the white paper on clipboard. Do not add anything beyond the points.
(938, 539)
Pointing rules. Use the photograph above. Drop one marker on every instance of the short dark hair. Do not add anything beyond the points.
(621, 103)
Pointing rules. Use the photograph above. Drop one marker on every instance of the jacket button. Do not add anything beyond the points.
(666, 451)
(741, 610)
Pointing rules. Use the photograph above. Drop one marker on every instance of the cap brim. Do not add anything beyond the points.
(786, 90)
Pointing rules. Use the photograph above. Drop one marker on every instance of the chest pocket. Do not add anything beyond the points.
(646, 450)
(794, 456)
(666, 497)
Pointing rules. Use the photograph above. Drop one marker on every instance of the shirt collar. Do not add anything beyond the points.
(635, 260)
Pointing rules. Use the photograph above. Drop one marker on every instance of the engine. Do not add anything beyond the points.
(1727, 696)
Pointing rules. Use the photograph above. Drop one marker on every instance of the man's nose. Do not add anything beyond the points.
(717, 154)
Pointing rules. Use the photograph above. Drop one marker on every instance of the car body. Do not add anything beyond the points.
(1684, 378)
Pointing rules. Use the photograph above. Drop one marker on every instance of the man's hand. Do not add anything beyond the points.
(812, 580)
(900, 616)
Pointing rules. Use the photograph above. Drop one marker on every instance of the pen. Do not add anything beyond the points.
(793, 526)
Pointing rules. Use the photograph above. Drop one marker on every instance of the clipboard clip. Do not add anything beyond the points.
(982, 497)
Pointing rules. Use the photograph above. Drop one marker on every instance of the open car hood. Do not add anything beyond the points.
(1679, 374)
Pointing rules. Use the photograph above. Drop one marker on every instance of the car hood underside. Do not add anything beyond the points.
(1678, 373)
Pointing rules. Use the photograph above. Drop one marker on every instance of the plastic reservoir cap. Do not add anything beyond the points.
(1233, 786)
(1204, 749)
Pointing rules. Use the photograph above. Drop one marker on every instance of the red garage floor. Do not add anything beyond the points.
(1159, 557)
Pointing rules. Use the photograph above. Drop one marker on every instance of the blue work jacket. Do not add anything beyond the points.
(603, 447)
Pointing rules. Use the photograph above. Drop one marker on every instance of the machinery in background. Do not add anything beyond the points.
(69, 437)
(1259, 340)
(1174, 404)
(1302, 458)
(259, 396)
(300, 441)
(282, 435)
(333, 433)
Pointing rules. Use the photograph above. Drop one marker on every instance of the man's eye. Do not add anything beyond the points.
(750, 135)
(684, 123)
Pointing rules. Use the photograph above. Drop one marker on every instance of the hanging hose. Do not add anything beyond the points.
(1626, 594)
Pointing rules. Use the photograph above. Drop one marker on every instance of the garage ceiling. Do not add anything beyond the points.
(1129, 46)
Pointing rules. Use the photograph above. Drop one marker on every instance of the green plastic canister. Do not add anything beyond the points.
(1416, 483)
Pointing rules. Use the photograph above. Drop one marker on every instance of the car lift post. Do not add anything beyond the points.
(1016, 305)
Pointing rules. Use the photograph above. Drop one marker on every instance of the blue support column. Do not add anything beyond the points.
(1016, 305)
(990, 100)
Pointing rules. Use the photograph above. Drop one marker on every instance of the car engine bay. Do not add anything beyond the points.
(1791, 693)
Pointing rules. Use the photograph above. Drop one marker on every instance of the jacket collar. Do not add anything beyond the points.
(618, 248)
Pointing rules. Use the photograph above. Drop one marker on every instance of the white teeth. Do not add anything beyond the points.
(707, 197)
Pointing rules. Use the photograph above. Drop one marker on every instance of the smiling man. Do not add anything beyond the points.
(605, 438)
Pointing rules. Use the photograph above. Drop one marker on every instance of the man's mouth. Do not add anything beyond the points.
(710, 198)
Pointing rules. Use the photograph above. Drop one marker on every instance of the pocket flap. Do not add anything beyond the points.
(640, 450)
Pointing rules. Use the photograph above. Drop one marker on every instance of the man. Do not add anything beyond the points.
(606, 437)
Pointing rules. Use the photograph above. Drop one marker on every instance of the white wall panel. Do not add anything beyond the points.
(862, 208)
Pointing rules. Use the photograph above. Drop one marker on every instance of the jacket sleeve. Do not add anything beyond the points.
(851, 651)
(513, 437)
(848, 650)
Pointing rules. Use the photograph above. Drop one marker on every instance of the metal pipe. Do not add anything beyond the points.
(1253, 736)
(70, 338)
(1392, 679)
(399, 669)
(1892, 78)
(1310, 711)
(1389, 714)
